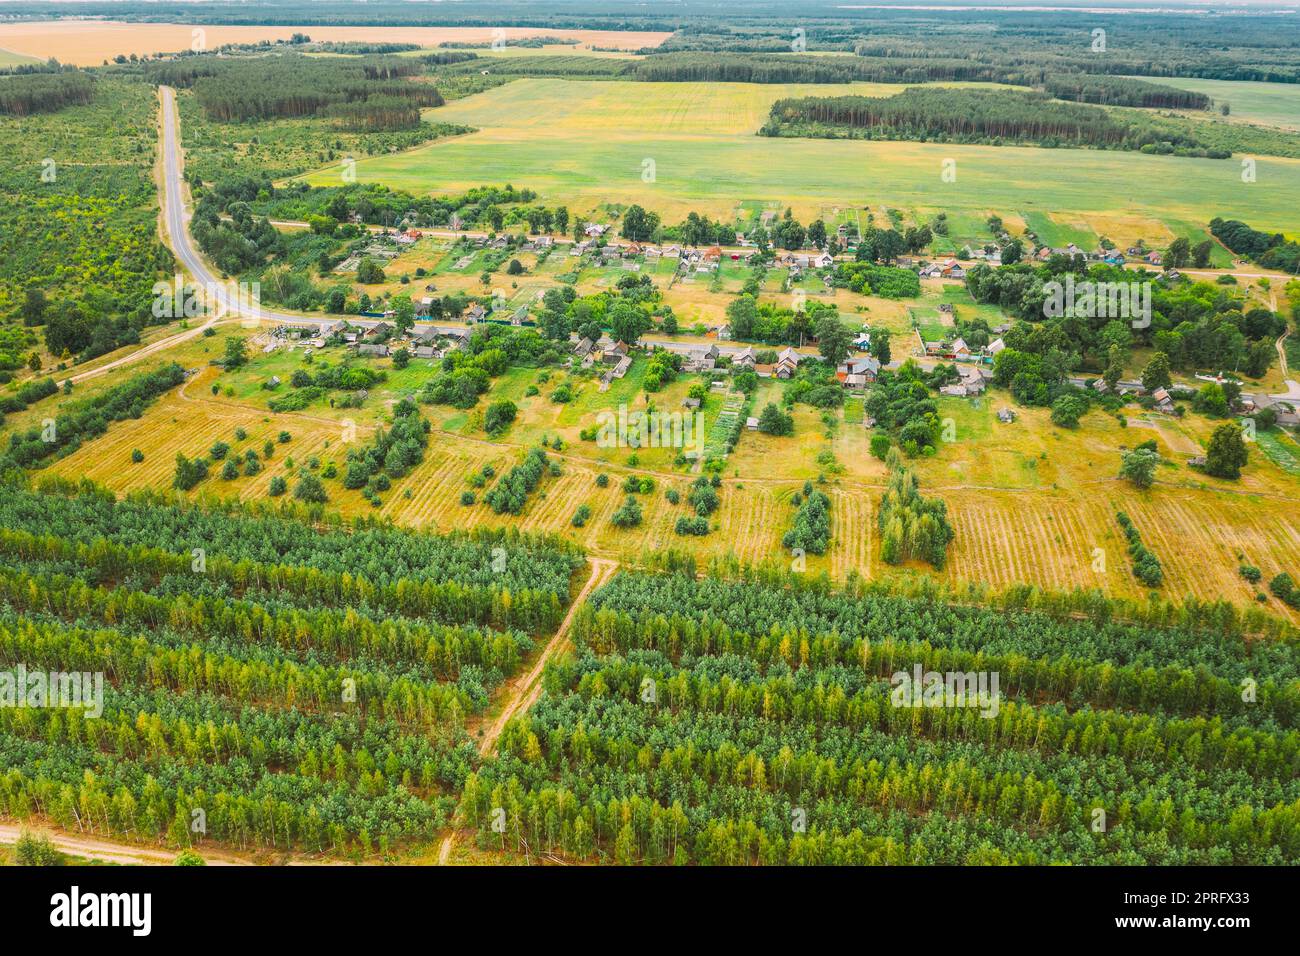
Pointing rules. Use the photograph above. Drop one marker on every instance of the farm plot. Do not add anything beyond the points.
(331, 671)
(1005, 538)
(1057, 231)
(747, 723)
(709, 160)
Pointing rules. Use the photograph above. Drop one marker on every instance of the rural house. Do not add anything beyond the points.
(701, 359)
(787, 363)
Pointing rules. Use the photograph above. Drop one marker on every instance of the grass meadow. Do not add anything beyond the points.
(1265, 104)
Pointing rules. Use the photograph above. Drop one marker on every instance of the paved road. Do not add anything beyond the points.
(177, 219)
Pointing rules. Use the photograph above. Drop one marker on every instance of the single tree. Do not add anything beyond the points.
(1226, 453)
(1139, 467)
(1156, 374)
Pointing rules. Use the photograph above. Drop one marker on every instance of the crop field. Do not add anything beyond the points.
(585, 143)
(1030, 503)
(10, 58)
(1056, 231)
(90, 42)
(740, 723)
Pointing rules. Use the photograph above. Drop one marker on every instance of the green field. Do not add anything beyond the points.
(587, 143)
(1269, 104)
(1054, 232)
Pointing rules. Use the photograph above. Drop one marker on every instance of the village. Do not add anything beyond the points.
(710, 347)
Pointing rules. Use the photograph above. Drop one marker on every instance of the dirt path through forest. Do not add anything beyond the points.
(524, 690)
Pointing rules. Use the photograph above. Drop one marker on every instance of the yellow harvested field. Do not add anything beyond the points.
(90, 42)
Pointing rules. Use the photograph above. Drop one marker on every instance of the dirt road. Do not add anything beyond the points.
(110, 852)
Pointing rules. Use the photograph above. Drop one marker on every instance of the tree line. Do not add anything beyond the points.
(366, 94)
(44, 92)
(967, 116)
(1122, 91)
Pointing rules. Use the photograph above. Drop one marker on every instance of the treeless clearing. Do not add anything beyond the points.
(90, 42)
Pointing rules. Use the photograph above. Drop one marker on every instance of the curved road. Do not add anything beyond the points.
(176, 218)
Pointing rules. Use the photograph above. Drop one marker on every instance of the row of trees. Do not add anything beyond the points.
(911, 526)
(1122, 91)
(1146, 690)
(958, 114)
(1271, 250)
(811, 532)
(753, 721)
(84, 420)
(510, 493)
(269, 536)
(368, 94)
(725, 760)
(330, 633)
(1081, 626)
(45, 92)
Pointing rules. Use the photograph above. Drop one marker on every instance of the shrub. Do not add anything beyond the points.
(1283, 588)
(773, 421)
(628, 516)
(189, 472)
(33, 850)
(499, 416)
(310, 489)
